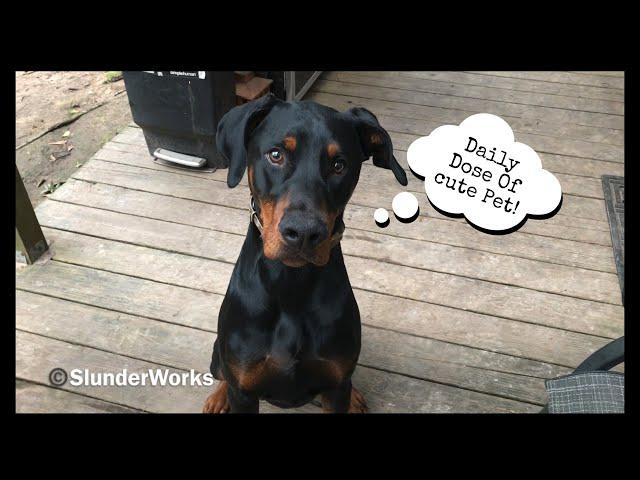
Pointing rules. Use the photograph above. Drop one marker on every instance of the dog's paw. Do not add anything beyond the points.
(358, 403)
(218, 401)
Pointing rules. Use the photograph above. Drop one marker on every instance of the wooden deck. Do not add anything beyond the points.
(454, 320)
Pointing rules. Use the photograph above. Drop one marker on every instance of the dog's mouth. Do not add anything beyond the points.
(299, 259)
(294, 261)
(293, 249)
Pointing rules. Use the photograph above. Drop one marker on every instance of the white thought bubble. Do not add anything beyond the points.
(381, 216)
(405, 205)
(477, 169)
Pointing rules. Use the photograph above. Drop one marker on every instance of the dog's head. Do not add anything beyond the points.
(304, 162)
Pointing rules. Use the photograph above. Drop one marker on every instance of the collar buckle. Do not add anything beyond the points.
(253, 215)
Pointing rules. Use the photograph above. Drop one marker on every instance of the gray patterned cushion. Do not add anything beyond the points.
(592, 392)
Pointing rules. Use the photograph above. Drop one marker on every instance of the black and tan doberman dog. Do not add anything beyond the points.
(289, 325)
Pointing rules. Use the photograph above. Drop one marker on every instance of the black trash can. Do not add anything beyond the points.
(179, 113)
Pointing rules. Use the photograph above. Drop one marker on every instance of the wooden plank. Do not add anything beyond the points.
(200, 274)
(203, 189)
(594, 285)
(556, 163)
(36, 356)
(571, 184)
(223, 246)
(439, 105)
(521, 127)
(234, 220)
(173, 345)
(381, 184)
(185, 306)
(30, 241)
(561, 77)
(388, 393)
(439, 351)
(34, 398)
(454, 117)
(619, 74)
(388, 79)
(520, 85)
(574, 157)
(564, 124)
(117, 290)
(108, 291)
(589, 231)
(560, 226)
(542, 144)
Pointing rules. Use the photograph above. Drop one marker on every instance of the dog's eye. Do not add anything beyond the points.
(338, 166)
(275, 156)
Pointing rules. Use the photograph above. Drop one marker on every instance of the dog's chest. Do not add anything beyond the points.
(294, 351)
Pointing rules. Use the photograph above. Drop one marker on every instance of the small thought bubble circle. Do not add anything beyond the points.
(405, 205)
(381, 215)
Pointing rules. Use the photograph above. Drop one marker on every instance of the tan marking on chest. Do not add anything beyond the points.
(250, 377)
(338, 370)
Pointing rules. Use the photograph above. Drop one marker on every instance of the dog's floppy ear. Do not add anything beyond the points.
(234, 130)
(375, 141)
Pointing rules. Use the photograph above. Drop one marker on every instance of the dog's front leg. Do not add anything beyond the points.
(343, 399)
(240, 402)
(226, 399)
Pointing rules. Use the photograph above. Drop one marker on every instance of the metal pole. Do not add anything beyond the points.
(30, 240)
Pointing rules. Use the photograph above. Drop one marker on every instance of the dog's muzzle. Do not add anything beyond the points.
(336, 236)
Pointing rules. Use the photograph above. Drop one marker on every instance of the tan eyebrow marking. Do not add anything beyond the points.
(290, 143)
(376, 139)
(332, 149)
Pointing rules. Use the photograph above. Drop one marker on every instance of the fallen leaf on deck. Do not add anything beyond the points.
(51, 187)
(66, 134)
(56, 155)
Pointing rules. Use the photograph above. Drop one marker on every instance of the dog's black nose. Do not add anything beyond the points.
(303, 231)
